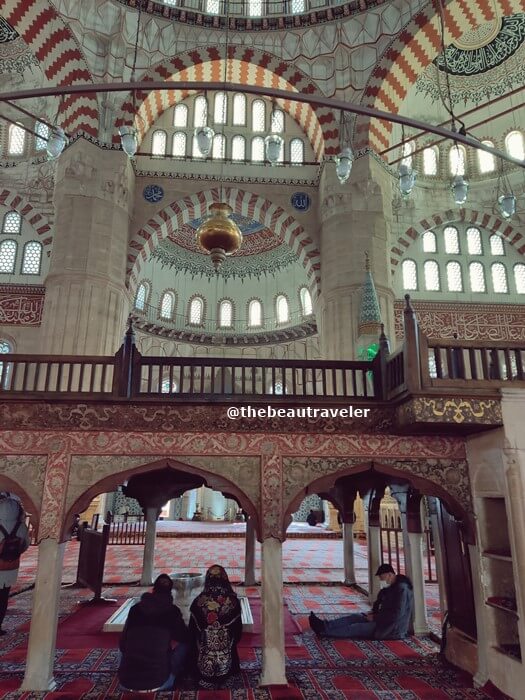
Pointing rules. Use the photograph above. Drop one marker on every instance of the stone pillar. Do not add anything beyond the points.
(354, 218)
(86, 301)
(149, 547)
(44, 617)
(348, 553)
(273, 661)
(189, 501)
(438, 555)
(249, 553)
(374, 560)
(418, 581)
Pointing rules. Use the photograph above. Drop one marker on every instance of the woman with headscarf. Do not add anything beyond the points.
(215, 628)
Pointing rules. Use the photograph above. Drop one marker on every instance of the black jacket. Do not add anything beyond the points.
(146, 642)
(394, 609)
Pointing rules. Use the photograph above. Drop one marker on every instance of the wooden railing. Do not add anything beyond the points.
(392, 551)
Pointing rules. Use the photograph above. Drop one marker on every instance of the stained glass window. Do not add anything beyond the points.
(306, 301)
(32, 258)
(239, 109)
(226, 314)
(238, 148)
(255, 8)
(297, 151)
(196, 311)
(257, 149)
(283, 313)
(430, 160)
(167, 305)
(255, 313)
(42, 132)
(179, 144)
(158, 143)
(16, 140)
(486, 161)
(474, 241)
(496, 245)
(180, 116)
(219, 112)
(258, 115)
(213, 7)
(298, 6)
(141, 296)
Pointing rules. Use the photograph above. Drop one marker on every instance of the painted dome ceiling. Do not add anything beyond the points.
(485, 62)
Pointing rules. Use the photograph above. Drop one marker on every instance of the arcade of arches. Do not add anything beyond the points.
(124, 346)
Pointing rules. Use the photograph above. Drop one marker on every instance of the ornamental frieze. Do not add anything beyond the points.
(458, 411)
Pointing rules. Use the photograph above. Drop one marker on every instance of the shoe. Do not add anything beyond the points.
(316, 624)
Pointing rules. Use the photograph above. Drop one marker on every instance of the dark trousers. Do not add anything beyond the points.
(4, 596)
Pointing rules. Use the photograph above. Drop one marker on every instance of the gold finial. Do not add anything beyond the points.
(367, 261)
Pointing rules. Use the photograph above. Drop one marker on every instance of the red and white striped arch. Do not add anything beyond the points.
(490, 222)
(411, 52)
(27, 211)
(54, 45)
(195, 206)
(245, 66)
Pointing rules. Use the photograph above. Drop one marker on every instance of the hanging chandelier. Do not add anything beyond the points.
(218, 235)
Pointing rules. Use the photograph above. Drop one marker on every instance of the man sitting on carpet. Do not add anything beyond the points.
(390, 618)
(148, 661)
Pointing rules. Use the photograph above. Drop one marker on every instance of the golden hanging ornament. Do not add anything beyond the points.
(218, 235)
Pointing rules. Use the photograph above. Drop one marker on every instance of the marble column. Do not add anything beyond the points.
(374, 560)
(149, 547)
(348, 553)
(273, 659)
(249, 553)
(418, 581)
(44, 617)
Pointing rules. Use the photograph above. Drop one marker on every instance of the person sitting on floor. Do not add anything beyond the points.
(311, 518)
(14, 540)
(148, 661)
(215, 629)
(390, 617)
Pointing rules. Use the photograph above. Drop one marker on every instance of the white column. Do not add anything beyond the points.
(149, 547)
(189, 499)
(374, 561)
(348, 553)
(418, 581)
(44, 618)
(249, 553)
(273, 662)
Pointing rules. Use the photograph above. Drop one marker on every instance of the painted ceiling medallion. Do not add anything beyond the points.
(485, 48)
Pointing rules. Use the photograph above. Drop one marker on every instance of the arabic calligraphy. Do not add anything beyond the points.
(21, 310)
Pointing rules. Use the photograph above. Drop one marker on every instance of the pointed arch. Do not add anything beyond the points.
(62, 62)
(195, 206)
(245, 65)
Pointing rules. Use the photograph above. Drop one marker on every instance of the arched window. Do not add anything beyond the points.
(297, 151)
(180, 116)
(514, 145)
(409, 270)
(258, 115)
(454, 277)
(219, 109)
(519, 277)
(277, 121)
(408, 150)
(255, 8)
(16, 140)
(5, 348)
(431, 270)
(158, 143)
(486, 161)
(226, 314)
(450, 234)
(12, 223)
(239, 109)
(238, 148)
(496, 245)
(257, 149)
(8, 250)
(457, 160)
(167, 306)
(254, 313)
(196, 314)
(499, 278)
(200, 111)
(429, 242)
(306, 301)
(430, 160)
(219, 146)
(477, 277)
(195, 150)
(42, 134)
(179, 144)
(141, 296)
(474, 241)
(282, 310)
(32, 258)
